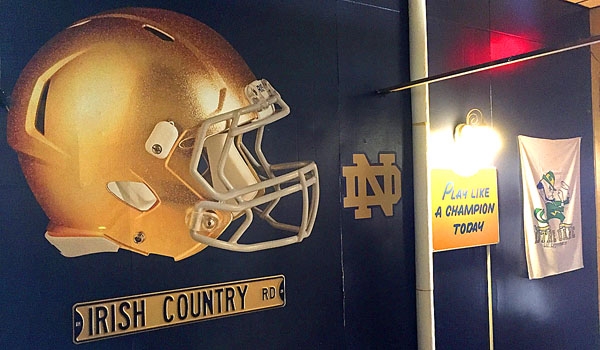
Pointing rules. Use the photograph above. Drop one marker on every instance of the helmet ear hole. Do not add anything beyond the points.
(135, 194)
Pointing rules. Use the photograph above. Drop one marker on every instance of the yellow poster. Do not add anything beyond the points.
(464, 209)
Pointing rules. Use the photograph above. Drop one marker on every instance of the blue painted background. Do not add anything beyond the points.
(548, 98)
(349, 285)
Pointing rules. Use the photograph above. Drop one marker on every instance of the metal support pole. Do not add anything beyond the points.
(420, 128)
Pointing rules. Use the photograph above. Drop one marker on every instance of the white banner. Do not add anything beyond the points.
(551, 205)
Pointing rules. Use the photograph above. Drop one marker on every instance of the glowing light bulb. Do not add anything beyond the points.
(476, 148)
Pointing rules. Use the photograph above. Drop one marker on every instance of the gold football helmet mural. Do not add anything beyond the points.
(129, 129)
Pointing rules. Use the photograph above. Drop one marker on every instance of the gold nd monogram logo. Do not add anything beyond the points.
(364, 185)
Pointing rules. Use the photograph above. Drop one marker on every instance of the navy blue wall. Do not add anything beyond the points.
(378, 252)
(349, 285)
(547, 98)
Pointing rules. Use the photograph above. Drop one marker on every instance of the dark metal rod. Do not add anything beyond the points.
(490, 65)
